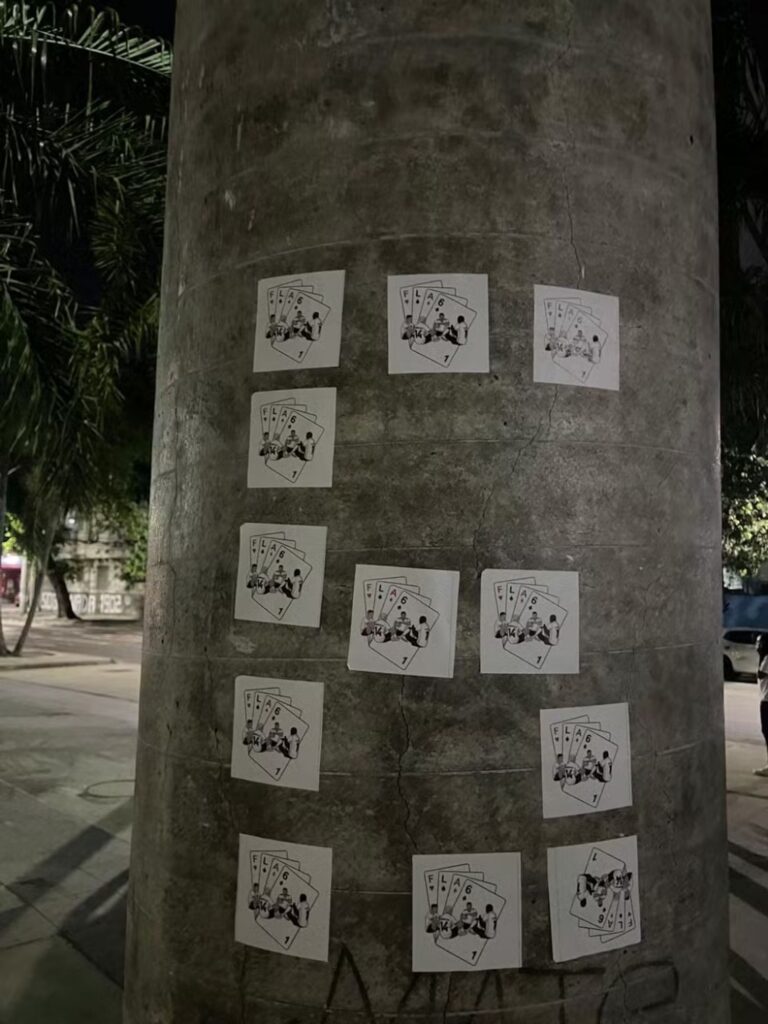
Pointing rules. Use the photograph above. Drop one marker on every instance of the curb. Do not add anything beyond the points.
(12, 664)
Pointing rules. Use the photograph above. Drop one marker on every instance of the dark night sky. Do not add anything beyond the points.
(156, 17)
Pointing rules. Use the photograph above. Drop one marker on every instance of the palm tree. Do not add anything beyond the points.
(83, 102)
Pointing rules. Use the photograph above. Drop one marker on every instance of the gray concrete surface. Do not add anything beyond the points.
(76, 641)
(540, 141)
(67, 750)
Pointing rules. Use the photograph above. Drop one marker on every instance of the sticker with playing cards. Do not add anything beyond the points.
(438, 324)
(277, 730)
(403, 621)
(280, 574)
(594, 901)
(585, 759)
(283, 897)
(292, 438)
(529, 622)
(575, 338)
(298, 321)
(466, 912)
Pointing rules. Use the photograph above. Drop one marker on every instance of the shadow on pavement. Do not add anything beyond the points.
(94, 926)
(749, 988)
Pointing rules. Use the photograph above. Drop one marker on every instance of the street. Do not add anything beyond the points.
(67, 749)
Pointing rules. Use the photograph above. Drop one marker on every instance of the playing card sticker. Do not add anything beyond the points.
(466, 912)
(298, 321)
(280, 574)
(277, 731)
(292, 438)
(594, 898)
(403, 621)
(585, 759)
(438, 323)
(529, 622)
(575, 338)
(283, 897)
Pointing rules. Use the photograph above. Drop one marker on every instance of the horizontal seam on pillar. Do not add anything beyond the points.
(561, 46)
(342, 661)
(527, 440)
(688, 174)
(191, 758)
(373, 892)
(402, 236)
(468, 1012)
(427, 774)
(448, 773)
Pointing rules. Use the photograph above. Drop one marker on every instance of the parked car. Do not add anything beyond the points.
(739, 654)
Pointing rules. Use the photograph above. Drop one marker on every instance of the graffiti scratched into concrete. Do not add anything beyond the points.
(637, 990)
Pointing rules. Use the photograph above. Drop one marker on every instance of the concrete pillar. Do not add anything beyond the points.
(538, 141)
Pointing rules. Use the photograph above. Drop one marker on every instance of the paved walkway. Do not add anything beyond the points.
(747, 855)
(67, 751)
(67, 744)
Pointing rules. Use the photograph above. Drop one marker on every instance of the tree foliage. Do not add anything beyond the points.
(83, 107)
(741, 77)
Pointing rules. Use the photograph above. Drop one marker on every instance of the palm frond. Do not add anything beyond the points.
(47, 53)
(37, 310)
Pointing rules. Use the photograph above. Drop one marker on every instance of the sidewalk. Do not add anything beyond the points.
(67, 750)
(747, 855)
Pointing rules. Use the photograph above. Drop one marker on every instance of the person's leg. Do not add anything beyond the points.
(764, 727)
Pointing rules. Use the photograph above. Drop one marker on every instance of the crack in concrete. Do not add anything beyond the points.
(580, 268)
(480, 524)
(447, 999)
(561, 58)
(401, 758)
(492, 489)
(241, 986)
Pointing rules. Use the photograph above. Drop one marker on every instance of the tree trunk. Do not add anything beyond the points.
(4, 472)
(64, 607)
(536, 141)
(39, 578)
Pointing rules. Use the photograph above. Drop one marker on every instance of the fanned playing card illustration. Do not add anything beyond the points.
(280, 575)
(466, 912)
(585, 759)
(292, 438)
(529, 622)
(575, 338)
(298, 321)
(594, 900)
(283, 897)
(438, 324)
(403, 620)
(277, 731)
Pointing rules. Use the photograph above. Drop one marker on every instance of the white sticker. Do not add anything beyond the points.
(466, 912)
(280, 574)
(277, 730)
(575, 338)
(403, 621)
(594, 897)
(292, 438)
(438, 323)
(585, 759)
(529, 622)
(283, 897)
(298, 321)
